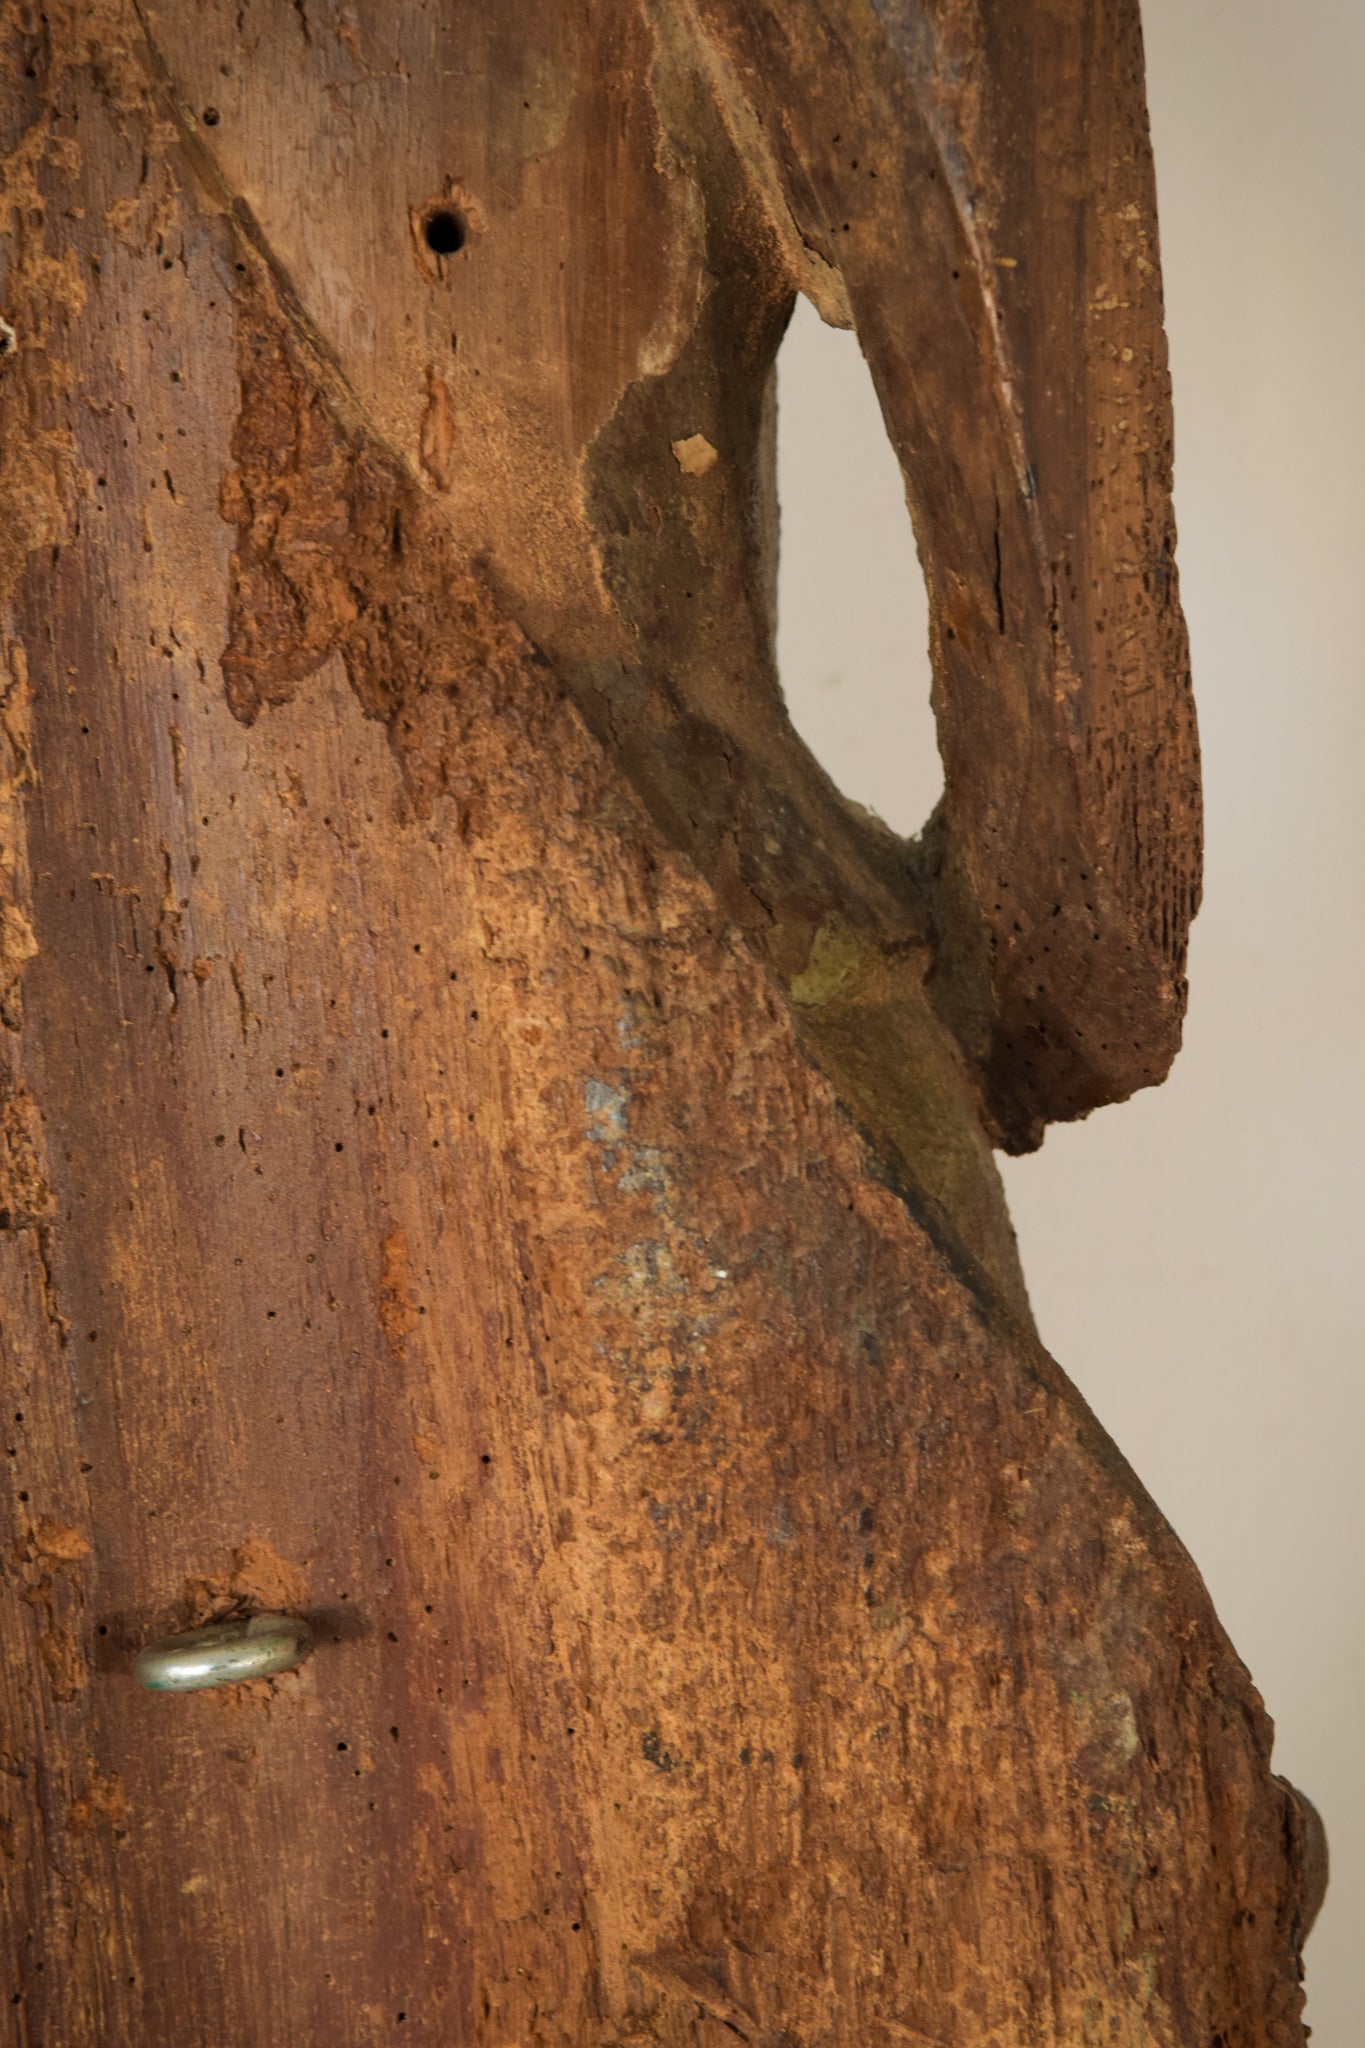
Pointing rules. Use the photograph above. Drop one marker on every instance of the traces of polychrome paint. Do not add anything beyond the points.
(606, 1111)
(648, 1268)
(1109, 1724)
(646, 1174)
(656, 1277)
(645, 1170)
(630, 1025)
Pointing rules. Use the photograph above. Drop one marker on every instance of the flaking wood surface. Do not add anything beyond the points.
(495, 1153)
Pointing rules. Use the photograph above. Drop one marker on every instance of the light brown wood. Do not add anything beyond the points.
(496, 1153)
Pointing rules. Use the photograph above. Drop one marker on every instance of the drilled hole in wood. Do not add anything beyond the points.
(444, 231)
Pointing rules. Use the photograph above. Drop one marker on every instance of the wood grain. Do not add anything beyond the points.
(496, 1154)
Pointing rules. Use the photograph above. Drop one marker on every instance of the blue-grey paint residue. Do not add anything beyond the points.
(646, 1170)
(647, 1173)
(657, 1275)
(631, 1022)
(606, 1111)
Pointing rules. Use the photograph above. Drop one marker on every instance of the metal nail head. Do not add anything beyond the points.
(225, 1653)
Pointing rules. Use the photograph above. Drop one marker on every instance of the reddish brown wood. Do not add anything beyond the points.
(975, 184)
(496, 1154)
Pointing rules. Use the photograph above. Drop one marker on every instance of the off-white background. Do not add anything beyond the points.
(1192, 1255)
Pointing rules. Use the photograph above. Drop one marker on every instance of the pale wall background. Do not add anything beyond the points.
(1192, 1255)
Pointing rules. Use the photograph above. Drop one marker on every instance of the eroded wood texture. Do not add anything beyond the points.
(978, 179)
(495, 1154)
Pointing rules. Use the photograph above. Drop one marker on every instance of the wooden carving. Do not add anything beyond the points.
(497, 1155)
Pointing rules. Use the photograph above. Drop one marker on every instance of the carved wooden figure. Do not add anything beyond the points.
(497, 1154)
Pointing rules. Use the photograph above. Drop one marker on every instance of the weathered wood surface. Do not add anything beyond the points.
(496, 1153)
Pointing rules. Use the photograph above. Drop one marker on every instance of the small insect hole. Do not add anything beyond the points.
(444, 231)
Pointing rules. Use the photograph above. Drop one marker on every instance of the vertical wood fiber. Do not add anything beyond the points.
(494, 1154)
